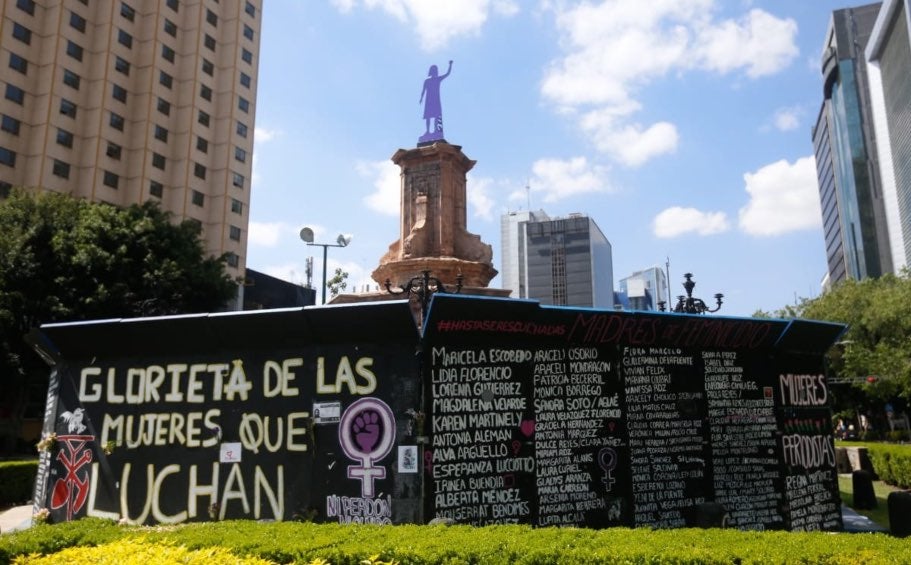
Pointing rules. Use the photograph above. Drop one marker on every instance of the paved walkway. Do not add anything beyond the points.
(16, 518)
(20, 518)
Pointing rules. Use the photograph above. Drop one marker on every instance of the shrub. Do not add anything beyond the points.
(17, 481)
(892, 463)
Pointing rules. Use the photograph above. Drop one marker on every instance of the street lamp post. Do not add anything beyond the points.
(424, 287)
(342, 240)
(689, 305)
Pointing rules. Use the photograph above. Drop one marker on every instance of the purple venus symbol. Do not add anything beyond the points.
(366, 433)
(607, 460)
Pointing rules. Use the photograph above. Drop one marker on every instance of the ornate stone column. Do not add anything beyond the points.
(433, 234)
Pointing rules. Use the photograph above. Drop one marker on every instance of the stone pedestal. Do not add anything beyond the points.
(433, 231)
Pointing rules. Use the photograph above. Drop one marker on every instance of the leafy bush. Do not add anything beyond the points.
(892, 463)
(17, 480)
(287, 542)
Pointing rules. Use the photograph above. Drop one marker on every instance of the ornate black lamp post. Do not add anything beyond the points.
(689, 305)
(424, 287)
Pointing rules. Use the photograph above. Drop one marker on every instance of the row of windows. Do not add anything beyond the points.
(112, 180)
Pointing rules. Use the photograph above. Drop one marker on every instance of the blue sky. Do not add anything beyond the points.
(682, 127)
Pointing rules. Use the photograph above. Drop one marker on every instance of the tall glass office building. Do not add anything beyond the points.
(854, 218)
(889, 56)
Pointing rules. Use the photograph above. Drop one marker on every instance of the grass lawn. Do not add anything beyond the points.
(880, 514)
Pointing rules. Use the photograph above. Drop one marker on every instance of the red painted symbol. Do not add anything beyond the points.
(72, 490)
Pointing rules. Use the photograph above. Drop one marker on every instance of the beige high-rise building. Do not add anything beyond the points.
(128, 101)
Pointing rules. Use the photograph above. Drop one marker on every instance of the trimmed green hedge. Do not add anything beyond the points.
(891, 462)
(17, 480)
(292, 542)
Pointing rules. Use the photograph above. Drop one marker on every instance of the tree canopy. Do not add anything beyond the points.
(66, 259)
(875, 352)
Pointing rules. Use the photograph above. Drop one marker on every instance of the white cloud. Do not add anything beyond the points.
(615, 48)
(760, 43)
(630, 144)
(385, 175)
(479, 198)
(677, 221)
(265, 135)
(784, 197)
(557, 179)
(435, 22)
(787, 119)
(266, 234)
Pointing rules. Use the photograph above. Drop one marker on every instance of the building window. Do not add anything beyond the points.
(199, 171)
(15, 94)
(158, 161)
(248, 32)
(27, 6)
(173, 4)
(116, 121)
(211, 17)
(170, 27)
(61, 169)
(238, 180)
(246, 56)
(232, 259)
(113, 151)
(234, 233)
(71, 79)
(165, 79)
(67, 108)
(205, 92)
(18, 63)
(209, 42)
(164, 106)
(7, 157)
(208, 67)
(77, 22)
(240, 155)
(203, 118)
(156, 188)
(161, 133)
(202, 145)
(22, 33)
(250, 10)
(10, 124)
(126, 11)
(119, 93)
(167, 53)
(122, 66)
(198, 198)
(237, 206)
(64, 138)
(242, 129)
(245, 80)
(242, 104)
(125, 39)
(111, 179)
(74, 50)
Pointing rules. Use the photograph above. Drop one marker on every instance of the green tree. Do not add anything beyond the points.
(65, 259)
(338, 282)
(874, 355)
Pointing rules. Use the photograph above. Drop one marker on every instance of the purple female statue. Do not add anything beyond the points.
(433, 109)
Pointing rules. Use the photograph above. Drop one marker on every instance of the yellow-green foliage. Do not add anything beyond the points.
(334, 544)
(891, 462)
(139, 552)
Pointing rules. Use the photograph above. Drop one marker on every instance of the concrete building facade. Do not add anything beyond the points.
(128, 101)
(557, 261)
(644, 289)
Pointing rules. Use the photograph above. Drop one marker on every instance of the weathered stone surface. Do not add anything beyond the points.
(433, 231)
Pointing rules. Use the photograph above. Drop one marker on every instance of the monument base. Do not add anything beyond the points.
(446, 269)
